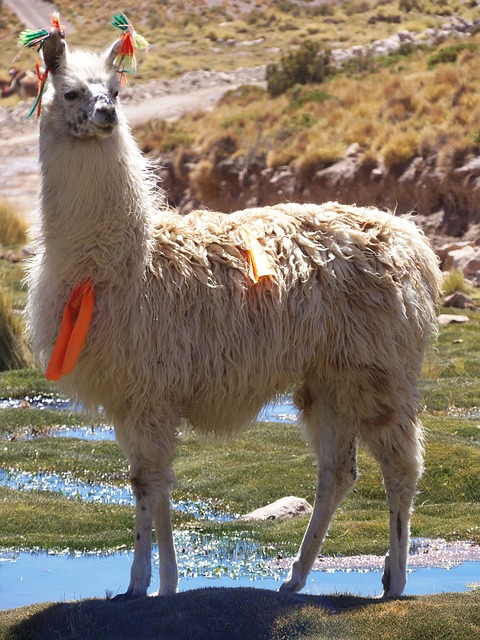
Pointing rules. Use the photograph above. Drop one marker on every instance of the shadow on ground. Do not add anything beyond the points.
(213, 614)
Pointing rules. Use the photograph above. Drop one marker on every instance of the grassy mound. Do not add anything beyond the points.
(253, 614)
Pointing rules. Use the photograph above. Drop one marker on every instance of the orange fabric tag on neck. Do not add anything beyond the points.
(259, 264)
(77, 316)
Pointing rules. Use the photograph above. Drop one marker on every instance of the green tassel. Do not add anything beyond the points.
(31, 38)
(120, 21)
(140, 41)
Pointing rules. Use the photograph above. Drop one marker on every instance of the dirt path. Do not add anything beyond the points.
(168, 100)
(35, 14)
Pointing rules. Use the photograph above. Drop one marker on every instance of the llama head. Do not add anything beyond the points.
(82, 98)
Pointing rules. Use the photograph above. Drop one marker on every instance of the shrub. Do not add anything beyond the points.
(13, 230)
(401, 148)
(301, 97)
(13, 352)
(280, 157)
(312, 161)
(449, 54)
(310, 63)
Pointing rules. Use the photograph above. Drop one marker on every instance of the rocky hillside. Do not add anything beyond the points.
(444, 195)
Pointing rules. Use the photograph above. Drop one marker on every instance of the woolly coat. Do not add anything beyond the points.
(179, 330)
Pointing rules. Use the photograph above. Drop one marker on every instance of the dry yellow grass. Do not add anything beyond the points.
(187, 35)
(400, 110)
(13, 229)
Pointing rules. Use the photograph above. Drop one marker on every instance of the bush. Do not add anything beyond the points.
(13, 230)
(13, 352)
(401, 147)
(311, 162)
(309, 64)
(449, 54)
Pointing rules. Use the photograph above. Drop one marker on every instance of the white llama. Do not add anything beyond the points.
(179, 330)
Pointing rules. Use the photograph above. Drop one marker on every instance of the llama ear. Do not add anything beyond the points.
(54, 50)
(112, 54)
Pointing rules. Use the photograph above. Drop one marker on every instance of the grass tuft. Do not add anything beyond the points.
(13, 230)
(455, 281)
(13, 351)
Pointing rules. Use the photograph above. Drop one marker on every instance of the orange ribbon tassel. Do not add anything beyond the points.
(76, 320)
(259, 264)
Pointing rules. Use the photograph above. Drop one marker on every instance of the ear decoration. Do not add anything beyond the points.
(125, 48)
(52, 45)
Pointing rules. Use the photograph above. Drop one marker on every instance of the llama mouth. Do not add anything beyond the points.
(102, 131)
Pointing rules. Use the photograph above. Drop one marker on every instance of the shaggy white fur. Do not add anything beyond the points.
(180, 332)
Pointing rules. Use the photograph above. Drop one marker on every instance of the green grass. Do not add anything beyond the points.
(25, 382)
(267, 462)
(41, 519)
(27, 421)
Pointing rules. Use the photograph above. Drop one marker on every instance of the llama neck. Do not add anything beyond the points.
(97, 203)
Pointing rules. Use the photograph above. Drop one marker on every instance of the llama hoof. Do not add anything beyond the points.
(291, 586)
(125, 597)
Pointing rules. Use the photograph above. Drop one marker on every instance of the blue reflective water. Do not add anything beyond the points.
(27, 578)
(281, 410)
(71, 487)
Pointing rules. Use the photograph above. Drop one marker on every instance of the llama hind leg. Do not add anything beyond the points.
(336, 449)
(166, 547)
(400, 457)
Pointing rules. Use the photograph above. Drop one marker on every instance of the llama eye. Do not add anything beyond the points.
(70, 95)
(115, 94)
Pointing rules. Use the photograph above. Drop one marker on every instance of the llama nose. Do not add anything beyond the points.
(106, 116)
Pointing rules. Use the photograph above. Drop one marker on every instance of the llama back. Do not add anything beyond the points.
(353, 289)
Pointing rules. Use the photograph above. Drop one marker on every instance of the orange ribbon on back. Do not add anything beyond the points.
(259, 264)
(76, 320)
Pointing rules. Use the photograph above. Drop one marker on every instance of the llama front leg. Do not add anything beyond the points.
(336, 448)
(146, 499)
(166, 547)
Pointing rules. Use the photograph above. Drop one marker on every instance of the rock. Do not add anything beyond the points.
(283, 181)
(446, 318)
(405, 36)
(466, 259)
(288, 507)
(445, 249)
(376, 174)
(459, 300)
(353, 150)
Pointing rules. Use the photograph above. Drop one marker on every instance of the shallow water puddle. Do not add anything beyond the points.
(27, 578)
(73, 488)
(283, 410)
(40, 402)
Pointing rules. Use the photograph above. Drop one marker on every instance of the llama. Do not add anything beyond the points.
(181, 330)
(24, 83)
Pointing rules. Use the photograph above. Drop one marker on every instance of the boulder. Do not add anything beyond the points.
(445, 249)
(459, 300)
(466, 259)
(446, 318)
(288, 507)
